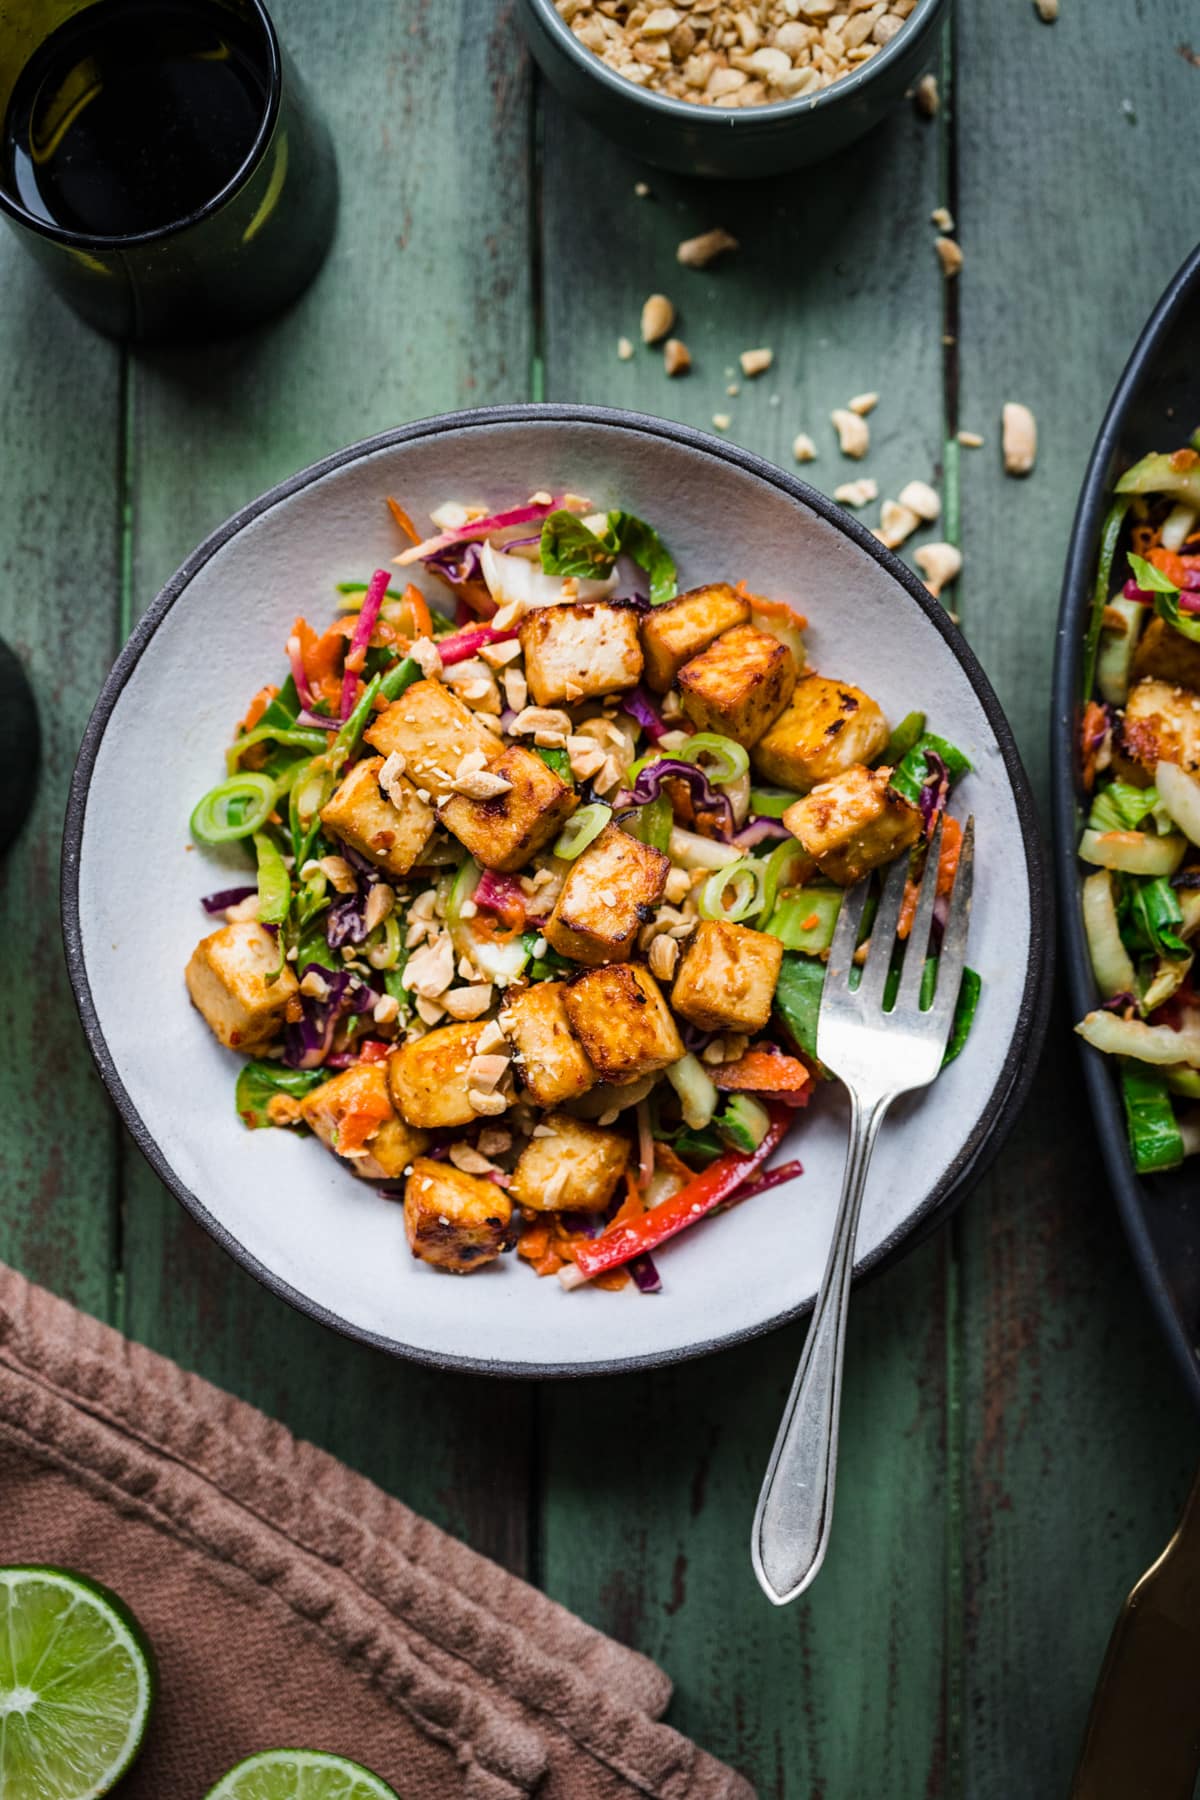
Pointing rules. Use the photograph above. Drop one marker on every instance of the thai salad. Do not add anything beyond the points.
(542, 893)
(1140, 761)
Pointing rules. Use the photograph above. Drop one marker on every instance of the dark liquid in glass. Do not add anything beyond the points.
(133, 115)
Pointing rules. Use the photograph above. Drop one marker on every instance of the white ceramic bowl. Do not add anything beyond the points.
(131, 889)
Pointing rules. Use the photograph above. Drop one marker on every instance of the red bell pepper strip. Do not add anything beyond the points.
(718, 1183)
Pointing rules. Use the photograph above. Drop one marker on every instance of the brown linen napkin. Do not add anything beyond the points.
(291, 1602)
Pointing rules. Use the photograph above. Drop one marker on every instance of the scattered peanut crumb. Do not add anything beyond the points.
(920, 498)
(677, 358)
(854, 434)
(949, 255)
(942, 217)
(926, 96)
(658, 316)
(862, 404)
(734, 389)
(940, 564)
(756, 362)
(1019, 435)
(698, 252)
(803, 448)
(1047, 10)
(857, 493)
(970, 440)
(642, 189)
(624, 349)
(722, 421)
(896, 523)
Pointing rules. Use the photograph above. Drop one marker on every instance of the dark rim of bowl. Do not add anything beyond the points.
(1107, 1111)
(996, 1115)
(81, 240)
(735, 118)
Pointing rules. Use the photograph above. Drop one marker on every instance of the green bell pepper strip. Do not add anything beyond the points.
(912, 772)
(651, 824)
(786, 858)
(718, 1184)
(253, 795)
(274, 882)
(1154, 1135)
(1109, 538)
(771, 803)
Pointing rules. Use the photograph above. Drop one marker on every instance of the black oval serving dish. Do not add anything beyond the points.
(1155, 407)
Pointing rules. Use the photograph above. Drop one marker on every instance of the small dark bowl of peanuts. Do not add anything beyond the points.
(733, 87)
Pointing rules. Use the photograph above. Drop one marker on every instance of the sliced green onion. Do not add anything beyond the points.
(729, 761)
(233, 809)
(733, 893)
(1154, 1135)
(771, 803)
(787, 863)
(805, 918)
(300, 736)
(386, 952)
(581, 829)
(904, 738)
(274, 882)
(312, 786)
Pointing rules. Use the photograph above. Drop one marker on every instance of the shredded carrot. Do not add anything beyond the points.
(420, 610)
(1182, 460)
(669, 1160)
(403, 521)
(258, 706)
(947, 866)
(812, 921)
(357, 1126)
(322, 658)
(761, 1070)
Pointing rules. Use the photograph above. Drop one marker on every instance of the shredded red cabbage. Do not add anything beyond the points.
(216, 903)
(346, 922)
(357, 653)
(478, 528)
(1118, 1003)
(936, 790)
(1186, 878)
(498, 893)
(640, 707)
(772, 1178)
(319, 719)
(308, 1041)
(704, 795)
(645, 1275)
(760, 831)
(457, 564)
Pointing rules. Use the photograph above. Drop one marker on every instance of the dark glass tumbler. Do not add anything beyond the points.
(239, 254)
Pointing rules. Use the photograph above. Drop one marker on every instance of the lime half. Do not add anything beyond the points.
(300, 1775)
(76, 1686)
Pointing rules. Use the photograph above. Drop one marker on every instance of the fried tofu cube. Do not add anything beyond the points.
(620, 1017)
(550, 1061)
(504, 830)
(1161, 724)
(574, 1169)
(607, 897)
(828, 727)
(726, 981)
(227, 979)
(353, 1116)
(364, 817)
(432, 729)
(1166, 654)
(739, 685)
(431, 1078)
(456, 1222)
(674, 633)
(580, 651)
(853, 822)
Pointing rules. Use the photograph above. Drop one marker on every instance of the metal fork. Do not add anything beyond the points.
(878, 1055)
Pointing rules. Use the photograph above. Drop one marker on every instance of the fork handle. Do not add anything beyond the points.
(795, 1507)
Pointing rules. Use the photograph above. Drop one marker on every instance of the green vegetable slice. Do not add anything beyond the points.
(743, 1122)
(1121, 807)
(904, 738)
(912, 772)
(581, 829)
(1154, 1135)
(728, 760)
(771, 803)
(233, 809)
(1109, 538)
(76, 1686)
(805, 918)
(274, 882)
(1157, 474)
(652, 823)
(559, 762)
(301, 737)
(733, 893)
(300, 1775)
(798, 1000)
(259, 1082)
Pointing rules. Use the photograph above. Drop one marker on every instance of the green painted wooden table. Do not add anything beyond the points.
(1015, 1444)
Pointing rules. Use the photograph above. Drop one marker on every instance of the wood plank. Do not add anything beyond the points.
(1080, 1438)
(59, 386)
(651, 1482)
(424, 305)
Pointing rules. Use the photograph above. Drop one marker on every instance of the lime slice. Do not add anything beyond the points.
(76, 1686)
(300, 1775)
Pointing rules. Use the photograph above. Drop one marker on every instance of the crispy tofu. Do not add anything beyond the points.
(580, 651)
(608, 896)
(828, 727)
(432, 729)
(364, 817)
(457, 1222)
(575, 1169)
(353, 1116)
(550, 1062)
(1161, 723)
(853, 822)
(429, 1077)
(674, 633)
(739, 685)
(620, 1017)
(1167, 655)
(227, 979)
(726, 981)
(504, 831)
